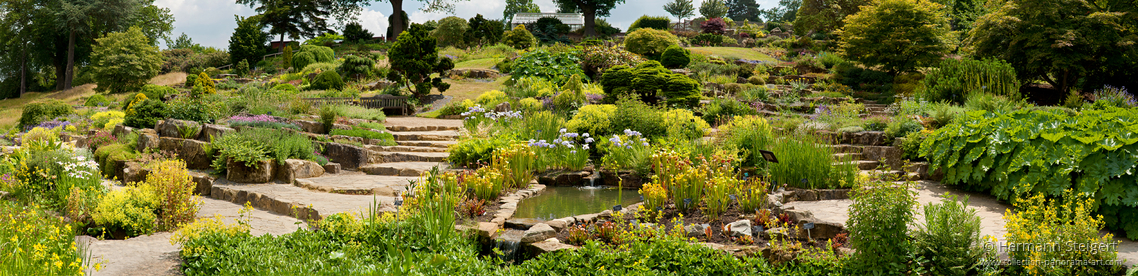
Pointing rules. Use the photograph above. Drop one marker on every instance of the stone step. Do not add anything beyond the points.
(851, 156)
(422, 128)
(388, 157)
(868, 105)
(379, 185)
(847, 148)
(880, 113)
(875, 109)
(892, 175)
(406, 149)
(402, 168)
(298, 202)
(445, 135)
(433, 144)
(861, 164)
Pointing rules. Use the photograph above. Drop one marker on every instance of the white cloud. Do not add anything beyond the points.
(374, 21)
(464, 9)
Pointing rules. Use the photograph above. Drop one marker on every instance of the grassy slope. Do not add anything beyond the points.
(485, 63)
(468, 89)
(732, 52)
(10, 108)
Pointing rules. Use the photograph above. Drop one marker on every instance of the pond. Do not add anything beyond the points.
(559, 202)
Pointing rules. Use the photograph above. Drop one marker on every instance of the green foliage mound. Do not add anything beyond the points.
(954, 80)
(414, 58)
(654, 22)
(650, 79)
(145, 114)
(158, 92)
(36, 113)
(327, 80)
(357, 66)
(675, 57)
(310, 54)
(1027, 152)
(519, 38)
(649, 42)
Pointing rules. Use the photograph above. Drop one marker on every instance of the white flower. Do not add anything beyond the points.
(563, 130)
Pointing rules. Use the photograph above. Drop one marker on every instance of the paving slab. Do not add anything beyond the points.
(299, 202)
(433, 144)
(356, 184)
(389, 157)
(406, 149)
(402, 168)
(444, 135)
(415, 122)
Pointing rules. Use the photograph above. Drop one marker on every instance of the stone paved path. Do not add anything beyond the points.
(988, 208)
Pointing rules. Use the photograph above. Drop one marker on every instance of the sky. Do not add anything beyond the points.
(211, 22)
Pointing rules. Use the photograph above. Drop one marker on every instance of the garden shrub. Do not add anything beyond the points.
(651, 79)
(724, 110)
(491, 98)
(654, 22)
(956, 80)
(879, 222)
(1012, 156)
(174, 189)
(388, 138)
(1110, 96)
(124, 61)
(414, 59)
(107, 120)
(158, 92)
(318, 67)
(302, 59)
(949, 240)
(556, 67)
(108, 155)
(200, 110)
(41, 235)
(285, 87)
(749, 134)
(519, 38)
(203, 85)
(757, 80)
(713, 26)
(359, 112)
(257, 144)
(708, 39)
(130, 210)
(36, 113)
(992, 103)
(474, 151)
(530, 104)
(191, 79)
(357, 66)
(145, 114)
(911, 146)
(1062, 222)
(650, 43)
(675, 57)
(635, 115)
(327, 80)
(550, 30)
(682, 123)
(451, 31)
(97, 100)
(902, 128)
(594, 119)
(596, 59)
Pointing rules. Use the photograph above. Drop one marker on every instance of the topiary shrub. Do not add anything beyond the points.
(519, 38)
(650, 43)
(357, 66)
(327, 80)
(414, 59)
(158, 92)
(203, 85)
(285, 87)
(651, 79)
(36, 113)
(302, 59)
(654, 22)
(145, 114)
(675, 57)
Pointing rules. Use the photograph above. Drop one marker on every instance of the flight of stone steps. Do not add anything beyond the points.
(421, 144)
(875, 109)
(879, 160)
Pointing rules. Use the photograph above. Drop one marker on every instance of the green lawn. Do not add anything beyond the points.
(732, 52)
(484, 63)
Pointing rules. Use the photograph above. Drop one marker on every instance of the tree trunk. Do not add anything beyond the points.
(70, 61)
(281, 44)
(397, 21)
(60, 71)
(23, 72)
(590, 26)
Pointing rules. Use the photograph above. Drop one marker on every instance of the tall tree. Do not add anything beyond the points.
(304, 18)
(248, 40)
(713, 9)
(518, 6)
(591, 9)
(898, 35)
(784, 12)
(154, 22)
(740, 10)
(680, 9)
(825, 15)
(1062, 42)
(16, 20)
(90, 18)
(397, 14)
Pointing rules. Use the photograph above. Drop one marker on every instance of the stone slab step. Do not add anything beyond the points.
(433, 144)
(851, 156)
(406, 149)
(445, 135)
(379, 185)
(412, 156)
(847, 148)
(298, 202)
(422, 128)
(402, 168)
(861, 164)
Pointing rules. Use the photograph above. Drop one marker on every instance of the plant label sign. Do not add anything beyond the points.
(808, 226)
(769, 156)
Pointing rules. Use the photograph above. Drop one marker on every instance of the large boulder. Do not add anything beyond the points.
(823, 230)
(539, 232)
(296, 168)
(147, 138)
(546, 246)
(349, 156)
(739, 228)
(259, 172)
(121, 130)
(133, 172)
(311, 126)
(473, 73)
(203, 183)
(192, 151)
(214, 131)
(178, 128)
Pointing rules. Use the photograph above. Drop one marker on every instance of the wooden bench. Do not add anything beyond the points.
(384, 102)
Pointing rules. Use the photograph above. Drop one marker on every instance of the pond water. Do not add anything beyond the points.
(559, 202)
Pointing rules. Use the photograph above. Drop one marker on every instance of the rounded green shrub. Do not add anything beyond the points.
(327, 80)
(302, 59)
(757, 80)
(158, 92)
(97, 100)
(707, 39)
(654, 22)
(320, 53)
(285, 87)
(650, 42)
(675, 57)
(519, 38)
(593, 118)
(36, 113)
(202, 86)
(357, 66)
(145, 114)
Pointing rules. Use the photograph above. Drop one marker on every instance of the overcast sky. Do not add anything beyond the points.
(211, 22)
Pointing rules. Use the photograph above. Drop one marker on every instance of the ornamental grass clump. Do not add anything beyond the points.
(1060, 229)
(263, 121)
(808, 162)
(517, 162)
(950, 237)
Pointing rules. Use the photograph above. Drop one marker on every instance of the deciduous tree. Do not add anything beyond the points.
(899, 35)
(713, 9)
(124, 62)
(518, 6)
(680, 9)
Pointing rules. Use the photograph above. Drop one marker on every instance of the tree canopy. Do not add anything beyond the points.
(303, 18)
(518, 6)
(124, 62)
(590, 9)
(740, 10)
(824, 15)
(680, 9)
(898, 35)
(249, 40)
(713, 9)
(414, 57)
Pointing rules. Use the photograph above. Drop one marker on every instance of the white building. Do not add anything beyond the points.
(574, 20)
